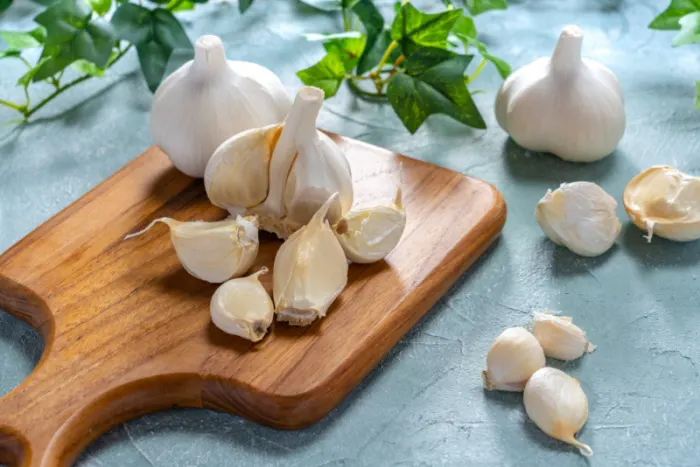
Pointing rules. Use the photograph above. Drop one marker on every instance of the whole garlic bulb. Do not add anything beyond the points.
(514, 356)
(580, 216)
(557, 405)
(210, 99)
(565, 105)
(664, 201)
(560, 337)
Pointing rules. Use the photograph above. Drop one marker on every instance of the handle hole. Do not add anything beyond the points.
(21, 348)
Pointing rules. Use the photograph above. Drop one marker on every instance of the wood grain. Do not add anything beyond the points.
(127, 331)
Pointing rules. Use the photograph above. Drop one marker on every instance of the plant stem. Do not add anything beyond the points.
(477, 71)
(385, 57)
(346, 20)
(365, 94)
(11, 105)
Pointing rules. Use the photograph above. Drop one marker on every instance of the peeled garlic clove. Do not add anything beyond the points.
(514, 356)
(371, 234)
(557, 405)
(243, 308)
(664, 201)
(310, 271)
(580, 216)
(213, 251)
(559, 337)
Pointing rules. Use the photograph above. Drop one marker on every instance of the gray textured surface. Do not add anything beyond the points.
(424, 404)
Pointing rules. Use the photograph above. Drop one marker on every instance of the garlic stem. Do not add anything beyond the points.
(567, 53)
(209, 56)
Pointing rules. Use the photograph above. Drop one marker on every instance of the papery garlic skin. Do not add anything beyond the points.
(514, 356)
(565, 105)
(210, 99)
(580, 216)
(243, 308)
(310, 271)
(559, 337)
(664, 201)
(557, 405)
(213, 251)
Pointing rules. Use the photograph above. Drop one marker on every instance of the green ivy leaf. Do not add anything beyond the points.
(690, 30)
(4, 5)
(328, 74)
(501, 65)
(21, 40)
(476, 7)
(373, 22)
(430, 30)
(420, 59)
(101, 7)
(243, 5)
(187, 5)
(26, 79)
(668, 19)
(464, 29)
(86, 68)
(697, 94)
(348, 50)
(133, 23)
(9, 53)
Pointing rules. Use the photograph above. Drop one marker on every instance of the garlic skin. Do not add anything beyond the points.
(557, 405)
(208, 100)
(559, 337)
(580, 216)
(213, 251)
(369, 235)
(310, 271)
(514, 356)
(243, 308)
(664, 201)
(565, 105)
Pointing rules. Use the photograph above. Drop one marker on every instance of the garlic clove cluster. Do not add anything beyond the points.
(559, 337)
(213, 251)
(580, 216)
(555, 402)
(565, 105)
(664, 201)
(208, 100)
(514, 356)
(243, 308)
(310, 271)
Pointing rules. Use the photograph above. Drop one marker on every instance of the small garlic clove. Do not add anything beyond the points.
(555, 402)
(310, 271)
(213, 251)
(243, 308)
(514, 356)
(559, 337)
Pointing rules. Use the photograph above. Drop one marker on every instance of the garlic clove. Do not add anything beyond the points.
(213, 251)
(514, 356)
(559, 337)
(310, 271)
(580, 216)
(555, 402)
(664, 201)
(243, 308)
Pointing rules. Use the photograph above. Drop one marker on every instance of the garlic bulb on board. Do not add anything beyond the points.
(557, 405)
(210, 99)
(369, 235)
(310, 271)
(565, 105)
(213, 251)
(580, 216)
(514, 356)
(243, 308)
(559, 337)
(664, 201)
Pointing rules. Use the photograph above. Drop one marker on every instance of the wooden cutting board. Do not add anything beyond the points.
(127, 330)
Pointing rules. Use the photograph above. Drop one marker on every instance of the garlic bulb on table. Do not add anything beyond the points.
(664, 201)
(210, 99)
(565, 105)
(580, 216)
(514, 356)
(559, 337)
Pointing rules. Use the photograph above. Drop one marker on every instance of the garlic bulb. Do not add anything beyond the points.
(210, 99)
(514, 356)
(282, 173)
(565, 105)
(369, 235)
(559, 337)
(310, 271)
(664, 201)
(213, 251)
(557, 405)
(580, 216)
(243, 308)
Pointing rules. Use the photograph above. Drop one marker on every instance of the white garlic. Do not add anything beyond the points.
(580, 216)
(664, 201)
(514, 356)
(243, 308)
(369, 235)
(310, 271)
(557, 405)
(213, 251)
(210, 99)
(565, 105)
(559, 337)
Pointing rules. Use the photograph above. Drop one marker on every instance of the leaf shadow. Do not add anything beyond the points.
(660, 253)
